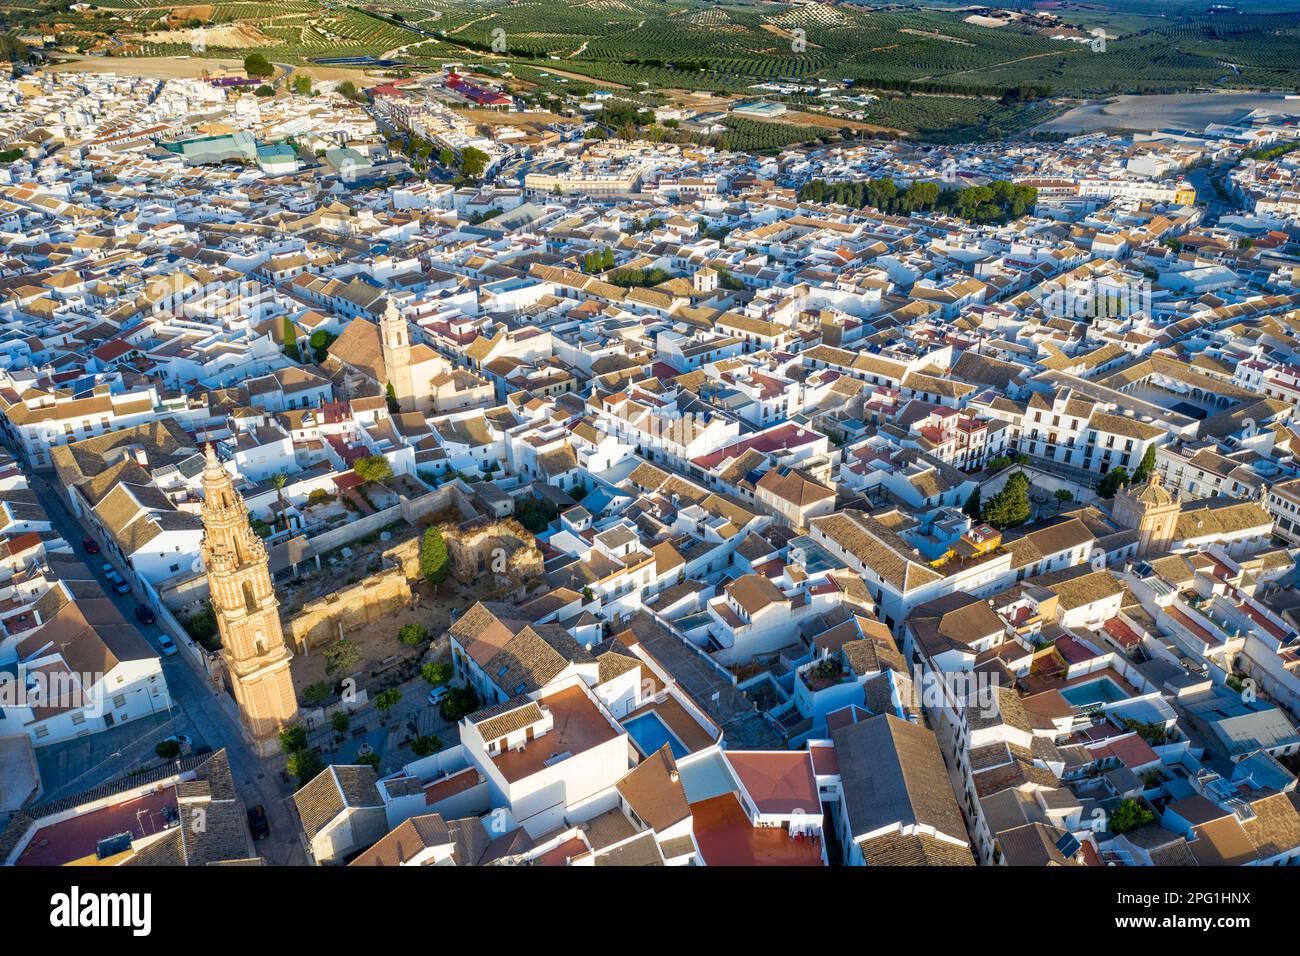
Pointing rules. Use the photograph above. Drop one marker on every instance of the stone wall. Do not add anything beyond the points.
(502, 548)
(406, 555)
(365, 602)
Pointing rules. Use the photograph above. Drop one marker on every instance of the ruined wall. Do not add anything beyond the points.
(355, 606)
(503, 548)
(405, 555)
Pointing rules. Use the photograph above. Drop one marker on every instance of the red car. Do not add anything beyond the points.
(90, 545)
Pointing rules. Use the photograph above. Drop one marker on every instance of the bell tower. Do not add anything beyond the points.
(395, 340)
(248, 615)
(1150, 510)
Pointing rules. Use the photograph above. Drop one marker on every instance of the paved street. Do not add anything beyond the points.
(197, 713)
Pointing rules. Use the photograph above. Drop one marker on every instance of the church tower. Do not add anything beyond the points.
(394, 338)
(1150, 509)
(248, 615)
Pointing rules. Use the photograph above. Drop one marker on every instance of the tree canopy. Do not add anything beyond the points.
(433, 556)
(258, 66)
(1010, 506)
(373, 468)
(473, 162)
(1112, 481)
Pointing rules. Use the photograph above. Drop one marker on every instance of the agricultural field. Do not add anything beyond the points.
(938, 71)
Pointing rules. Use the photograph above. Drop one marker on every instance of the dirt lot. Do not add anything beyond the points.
(377, 642)
(163, 67)
(236, 36)
(174, 68)
(381, 650)
(202, 11)
(528, 121)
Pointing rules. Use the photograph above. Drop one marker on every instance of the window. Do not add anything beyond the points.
(119, 700)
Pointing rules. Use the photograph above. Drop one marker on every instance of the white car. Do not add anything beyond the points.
(166, 645)
(437, 695)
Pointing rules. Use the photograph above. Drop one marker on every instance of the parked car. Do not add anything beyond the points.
(438, 693)
(107, 569)
(118, 582)
(258, 824)
(144, 614)
(166, 645)
(90, 545)
(202, 750)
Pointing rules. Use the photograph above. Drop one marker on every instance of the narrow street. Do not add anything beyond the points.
(196, 707)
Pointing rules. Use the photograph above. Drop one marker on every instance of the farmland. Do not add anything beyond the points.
(936, 73)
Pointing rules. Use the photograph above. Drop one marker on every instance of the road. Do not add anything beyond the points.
(257, 779)
(1202, 179)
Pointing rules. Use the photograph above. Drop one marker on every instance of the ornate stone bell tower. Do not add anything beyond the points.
(248, 615)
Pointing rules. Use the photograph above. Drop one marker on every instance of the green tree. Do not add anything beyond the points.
(413, 634)
(12, 49)
(390, 396)
(373, 468)
(264, 91)
(341, 720)
(280, 479)
(434, 561)
(1130, 815)
(1145, 466)
(424, 746)
(972, 505)
(302, 84)
(320, 342)
(458, 702)
(369, 760)
(305, 765)
(293, 739)
(473, 162)
(1010, 507)
(436, 674)
(291, 339)
(386, 700)
(348, 89)
(1111, 482)
(258, 66)
(1064, 495)
(342, 655)
(168, 749)
(202, 625)
(317, 692)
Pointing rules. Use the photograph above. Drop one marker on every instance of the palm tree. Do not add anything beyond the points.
(280, 480)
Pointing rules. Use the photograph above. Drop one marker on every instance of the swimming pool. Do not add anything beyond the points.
(1103, 690)
(650, 733)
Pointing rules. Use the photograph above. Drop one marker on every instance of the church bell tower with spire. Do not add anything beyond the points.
(247, 611)
(395, 343)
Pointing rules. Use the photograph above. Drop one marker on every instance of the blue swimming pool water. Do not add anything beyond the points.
(1103, 690)
(650, 733)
